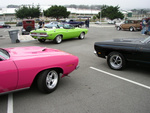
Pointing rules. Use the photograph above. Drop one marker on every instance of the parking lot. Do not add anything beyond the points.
(93, 88)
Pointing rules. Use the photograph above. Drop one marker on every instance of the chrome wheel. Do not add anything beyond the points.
(58, 39)
(48, 81)
(82, 35)
(116, 61)
(131, 29)
(52, 79)
(118, 28)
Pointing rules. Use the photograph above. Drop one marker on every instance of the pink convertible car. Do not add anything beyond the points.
(20, 66)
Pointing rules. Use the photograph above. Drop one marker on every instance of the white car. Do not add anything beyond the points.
(111, 22)
(97, 22)
(117, 25)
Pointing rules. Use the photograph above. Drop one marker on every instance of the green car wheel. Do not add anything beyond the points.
(82, 35)
(58, 39)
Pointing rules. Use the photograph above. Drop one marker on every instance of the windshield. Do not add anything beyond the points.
(147, 40)
(4, 54)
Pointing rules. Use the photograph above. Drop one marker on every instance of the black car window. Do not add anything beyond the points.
(4, 54)
(28, 22)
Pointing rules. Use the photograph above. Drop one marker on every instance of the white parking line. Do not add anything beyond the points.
(133, 82)
(10, 103)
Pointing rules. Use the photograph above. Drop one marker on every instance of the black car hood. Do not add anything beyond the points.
(132, 41)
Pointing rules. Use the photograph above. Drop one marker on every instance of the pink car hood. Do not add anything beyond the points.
(33, 51)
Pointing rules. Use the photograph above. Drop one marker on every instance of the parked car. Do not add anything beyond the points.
(131, 25)
(74, 23)
(121, 51)
(65, 31)
(28, 25)
(21, 66)
(111, 22)
(3, 25)
(19, 24)
(97, 22)
(52, 24)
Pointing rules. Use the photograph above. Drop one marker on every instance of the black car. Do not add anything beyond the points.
(5, 26)
(74, 23)
(120, 51)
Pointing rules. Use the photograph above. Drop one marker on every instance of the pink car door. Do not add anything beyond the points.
(8, 75)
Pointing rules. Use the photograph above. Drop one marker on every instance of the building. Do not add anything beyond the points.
(8, 14)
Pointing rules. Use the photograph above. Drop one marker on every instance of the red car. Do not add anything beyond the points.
(21, 66)
(3, 25)
(28, 25)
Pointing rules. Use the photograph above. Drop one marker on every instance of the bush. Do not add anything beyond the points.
(10, 22)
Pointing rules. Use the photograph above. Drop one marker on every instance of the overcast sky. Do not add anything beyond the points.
(123, 4)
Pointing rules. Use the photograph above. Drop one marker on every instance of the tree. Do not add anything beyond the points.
(94, 18)
(110, 12)
(57, 12)
(28, 12)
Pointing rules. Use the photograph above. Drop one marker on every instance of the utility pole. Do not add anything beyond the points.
(100, 16)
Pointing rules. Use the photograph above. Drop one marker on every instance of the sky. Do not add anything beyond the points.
(123, 4)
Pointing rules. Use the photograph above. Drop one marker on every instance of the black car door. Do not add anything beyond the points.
(143, 53)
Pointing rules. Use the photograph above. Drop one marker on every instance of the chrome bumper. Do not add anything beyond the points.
(95, 53)
(77, 67)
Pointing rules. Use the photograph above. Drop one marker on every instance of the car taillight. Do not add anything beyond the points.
(33, 33)
(43, 34)
(39, 34)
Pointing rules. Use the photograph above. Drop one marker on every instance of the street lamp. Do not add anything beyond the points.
(100, 14)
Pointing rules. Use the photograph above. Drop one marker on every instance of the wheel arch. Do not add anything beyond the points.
(82, 32)
(110, 51)
(134, 29)
(58, 35)
(58, 69)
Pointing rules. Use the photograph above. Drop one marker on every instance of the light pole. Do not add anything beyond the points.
(100, 16)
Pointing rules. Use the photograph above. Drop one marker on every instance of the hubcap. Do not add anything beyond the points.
(116, 61)
(82, 35)
(131, 29)
(59, 39)
(52, 79)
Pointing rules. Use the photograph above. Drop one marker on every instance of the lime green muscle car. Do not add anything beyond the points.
(59, 33)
